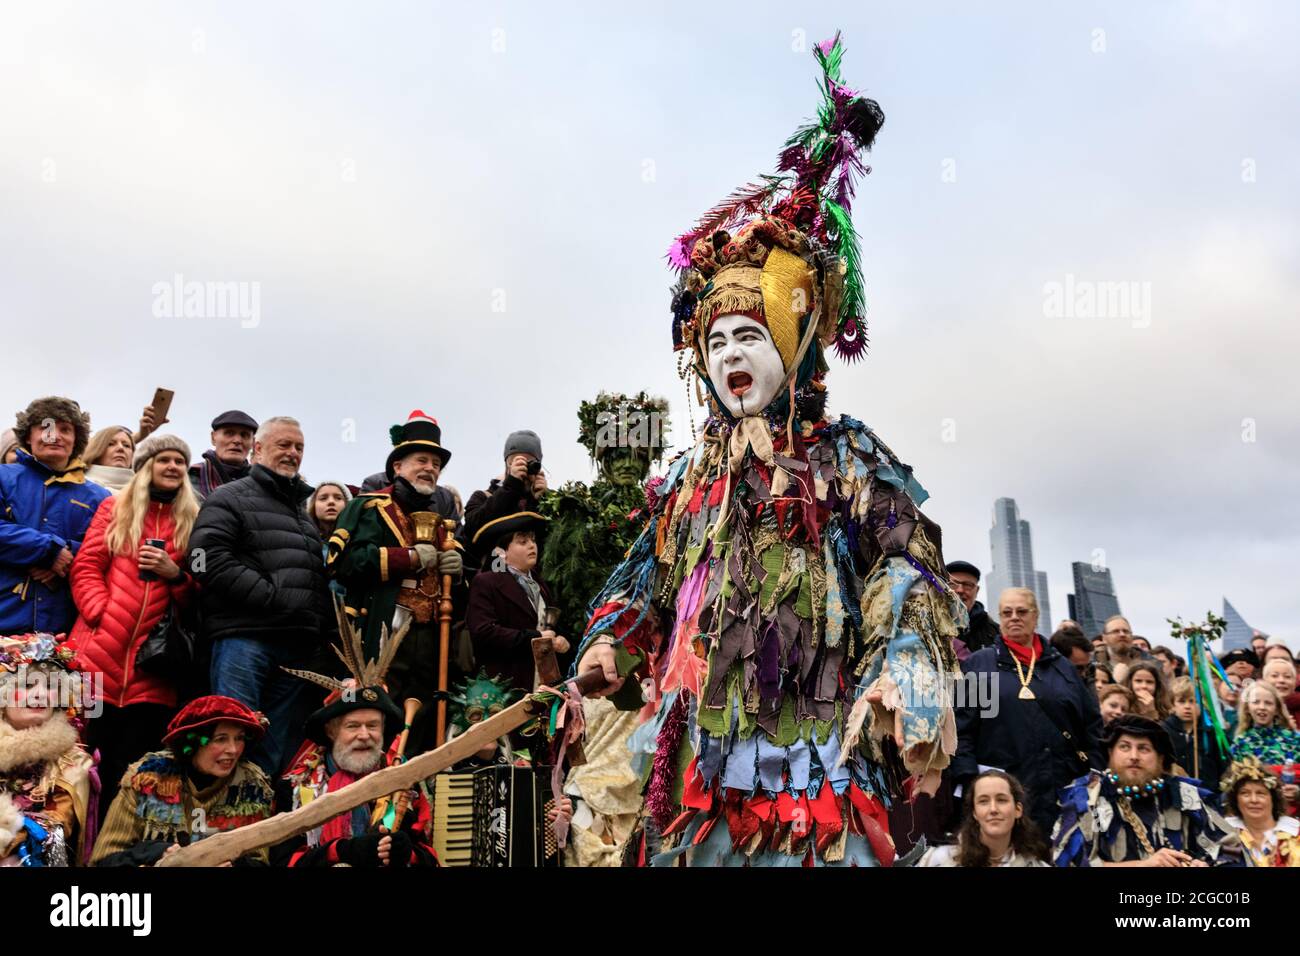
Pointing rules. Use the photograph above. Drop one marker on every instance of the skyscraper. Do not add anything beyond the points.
(1013, 562)
(1238, 633)
(1094, 597)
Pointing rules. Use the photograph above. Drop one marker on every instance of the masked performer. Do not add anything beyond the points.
(786, 607)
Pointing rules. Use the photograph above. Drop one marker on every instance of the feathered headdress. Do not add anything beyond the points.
(803, 210)
(365, 673)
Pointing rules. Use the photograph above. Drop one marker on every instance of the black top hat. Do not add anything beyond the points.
(420, 431)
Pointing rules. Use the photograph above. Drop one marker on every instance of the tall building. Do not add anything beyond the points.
(1094, 597)
(1013, 562)
(1238, 633)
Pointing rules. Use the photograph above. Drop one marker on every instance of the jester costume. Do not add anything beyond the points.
(784, 614)
(48, 785)
(165, 799)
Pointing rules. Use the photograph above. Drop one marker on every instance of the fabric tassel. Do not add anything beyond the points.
(853, 727)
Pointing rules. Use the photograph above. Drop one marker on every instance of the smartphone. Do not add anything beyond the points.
(162, 404)
(153, 543)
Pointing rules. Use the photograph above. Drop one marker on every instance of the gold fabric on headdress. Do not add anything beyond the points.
(781, 291)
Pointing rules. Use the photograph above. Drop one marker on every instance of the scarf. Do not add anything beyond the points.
(344, 825)
(213, 472)
(1022, 653)
(531, 588)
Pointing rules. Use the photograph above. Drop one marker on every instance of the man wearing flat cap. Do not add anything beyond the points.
(392, 578)
(227, 459)
(964, 578)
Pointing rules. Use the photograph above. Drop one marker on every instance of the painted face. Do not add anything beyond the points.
(744, 364)
(27, 707)
(996, 810)
(1113, 706)
(119, 451)
(220, 755)
(1135, 760)
(168, 470)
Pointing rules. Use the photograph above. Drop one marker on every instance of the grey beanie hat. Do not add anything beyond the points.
(158, 443)
(524, 442)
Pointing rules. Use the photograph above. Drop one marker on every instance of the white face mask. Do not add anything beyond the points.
(744, 364)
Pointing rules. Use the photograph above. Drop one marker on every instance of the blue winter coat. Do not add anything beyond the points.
(41, 512)
(1022, 739)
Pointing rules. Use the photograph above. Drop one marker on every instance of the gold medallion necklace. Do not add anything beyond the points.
(1025, 692)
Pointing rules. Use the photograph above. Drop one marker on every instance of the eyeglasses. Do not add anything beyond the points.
(1016, 612)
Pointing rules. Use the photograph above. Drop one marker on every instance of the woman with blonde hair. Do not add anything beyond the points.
(125, 579)
(1265, 732)
(108, 455)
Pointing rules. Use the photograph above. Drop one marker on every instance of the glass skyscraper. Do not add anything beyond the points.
(1093, 599)
(1013, 562)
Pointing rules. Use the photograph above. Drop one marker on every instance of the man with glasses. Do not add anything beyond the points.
(964, 578)
(1117, 635)
(1033, 716)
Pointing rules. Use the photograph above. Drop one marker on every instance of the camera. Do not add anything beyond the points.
(534, 467)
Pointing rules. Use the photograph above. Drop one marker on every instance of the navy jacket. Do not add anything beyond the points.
(1022, 738)
(41, 512)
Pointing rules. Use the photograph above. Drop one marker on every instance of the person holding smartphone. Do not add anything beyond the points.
(126, 574)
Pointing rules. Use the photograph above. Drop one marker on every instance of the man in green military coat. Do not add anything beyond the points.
(391, 578)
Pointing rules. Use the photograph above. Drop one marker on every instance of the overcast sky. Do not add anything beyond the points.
(466, 212)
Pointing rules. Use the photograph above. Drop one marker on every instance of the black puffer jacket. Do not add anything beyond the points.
(258, 558)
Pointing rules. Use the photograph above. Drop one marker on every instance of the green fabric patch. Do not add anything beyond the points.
(627, 697)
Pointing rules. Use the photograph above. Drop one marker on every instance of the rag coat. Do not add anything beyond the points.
(41, 512)
(118, 610)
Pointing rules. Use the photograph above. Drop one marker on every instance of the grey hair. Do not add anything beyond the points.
(271, 422)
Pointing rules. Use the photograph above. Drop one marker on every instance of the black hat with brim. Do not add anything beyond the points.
(498, 528)
(366, 698)
(1135, 725)
(1240, 654)
(419, 433)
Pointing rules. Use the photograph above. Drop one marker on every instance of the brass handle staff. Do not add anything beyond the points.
(446, 543)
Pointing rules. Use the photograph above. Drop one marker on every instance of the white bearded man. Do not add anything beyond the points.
(786, 611)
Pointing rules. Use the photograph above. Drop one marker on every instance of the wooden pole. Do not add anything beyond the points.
(446, 542)
(232, 844)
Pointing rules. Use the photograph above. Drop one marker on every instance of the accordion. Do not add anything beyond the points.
(493, 816)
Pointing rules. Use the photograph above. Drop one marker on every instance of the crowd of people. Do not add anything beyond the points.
(199, 601)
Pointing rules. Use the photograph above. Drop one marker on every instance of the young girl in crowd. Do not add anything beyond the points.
(995, 829)
(1146, 679)
(1265, 732)
(1115, 701)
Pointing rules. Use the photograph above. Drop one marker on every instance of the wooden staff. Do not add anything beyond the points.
(445, 543)
(232, 844)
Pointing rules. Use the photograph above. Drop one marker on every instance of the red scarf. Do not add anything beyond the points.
(1022, 653)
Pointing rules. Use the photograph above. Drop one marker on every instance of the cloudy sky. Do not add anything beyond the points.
(465, 211)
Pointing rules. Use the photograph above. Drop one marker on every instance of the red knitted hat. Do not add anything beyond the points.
(205, 711)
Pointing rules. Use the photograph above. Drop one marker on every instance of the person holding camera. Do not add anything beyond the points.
(125, 577)
(516, 490)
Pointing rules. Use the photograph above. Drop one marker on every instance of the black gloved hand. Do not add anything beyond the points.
(402, 849)
(360, 851)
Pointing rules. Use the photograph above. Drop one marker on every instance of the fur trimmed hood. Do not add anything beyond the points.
(11, 821)
(43, 744)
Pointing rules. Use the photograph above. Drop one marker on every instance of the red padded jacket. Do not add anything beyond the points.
(117, 610)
